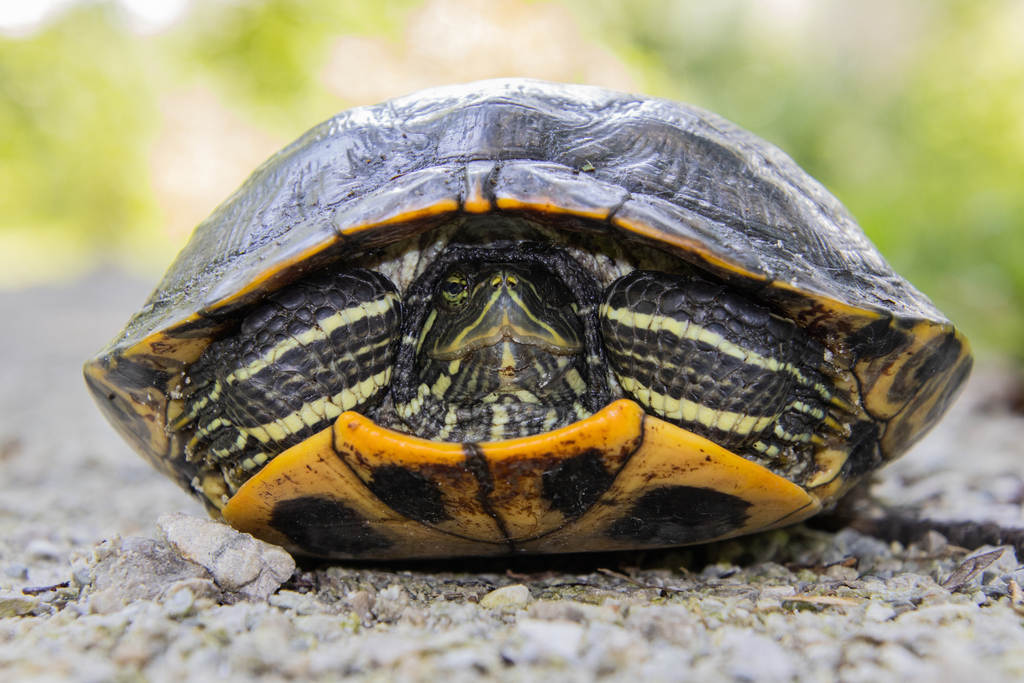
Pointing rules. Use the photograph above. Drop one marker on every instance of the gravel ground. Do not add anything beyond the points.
(96, 585)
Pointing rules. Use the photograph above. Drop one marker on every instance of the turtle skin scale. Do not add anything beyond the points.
(631, 189)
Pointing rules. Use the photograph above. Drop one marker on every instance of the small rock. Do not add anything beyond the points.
(391, 602)
(670, 623)
(933, 543)
(778, 592)
(239, 563)
(179, 603)
(759, 658)
(16, 604)
(841, 573)
(16, 571)
(509, 598)
(303, 603)
(535, 641)
(1017, 576)
(771, 597)
(81, 571)
(938, 615)
(879, 611)
(561, 610)
(867, 549)
(106, 601)
(122, 571)
(200, 588)
(468, 658)
(387, 650)
(44, 550)
(608, 647)
(361, 603)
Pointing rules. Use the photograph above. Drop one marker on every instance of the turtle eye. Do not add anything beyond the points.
(455, 289)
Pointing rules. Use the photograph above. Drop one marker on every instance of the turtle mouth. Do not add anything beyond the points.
(507, 334)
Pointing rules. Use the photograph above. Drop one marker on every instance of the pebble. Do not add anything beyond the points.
(879, 611)
(361, 603)
(868, 550)
(16, 571)
(302, 603)
(180, 603)
(391, 603)
(754, 657)
(239, 563)
(45, 550)
(16, 604)
(508, 598)
(121, 571)
(536, 641)
(561, 610)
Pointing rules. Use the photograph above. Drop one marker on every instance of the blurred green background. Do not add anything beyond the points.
(122, 124)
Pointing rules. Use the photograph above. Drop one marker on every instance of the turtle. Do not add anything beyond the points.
(516, 316)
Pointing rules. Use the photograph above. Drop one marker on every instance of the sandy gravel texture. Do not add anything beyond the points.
(92, 590)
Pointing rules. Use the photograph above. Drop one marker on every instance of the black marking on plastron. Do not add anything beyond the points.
(476, 463)
(408, 493)
(576, 483)
(681, 515)
(320, 525)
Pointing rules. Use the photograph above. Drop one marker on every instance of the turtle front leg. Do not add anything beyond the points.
(308, 353)
(705, 358)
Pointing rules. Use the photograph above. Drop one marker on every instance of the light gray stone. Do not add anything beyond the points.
(122, 571)
(301, 603)
(562, 610)
(508, 598)
(14, 604)
(755, 657)
(877, 610)
(361, 603)
(391, 603)
(238, 563)
(535, 641)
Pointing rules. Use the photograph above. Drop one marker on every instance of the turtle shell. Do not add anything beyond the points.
(386, 183)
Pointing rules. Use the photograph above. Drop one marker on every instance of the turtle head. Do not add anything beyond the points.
(502, 353)
(486, 305)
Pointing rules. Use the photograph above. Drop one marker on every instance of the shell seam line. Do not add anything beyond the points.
(491, 182)
(615, 209)
(780, 520)
(476, 464)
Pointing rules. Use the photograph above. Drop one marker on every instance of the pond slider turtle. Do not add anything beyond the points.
(516, 316)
